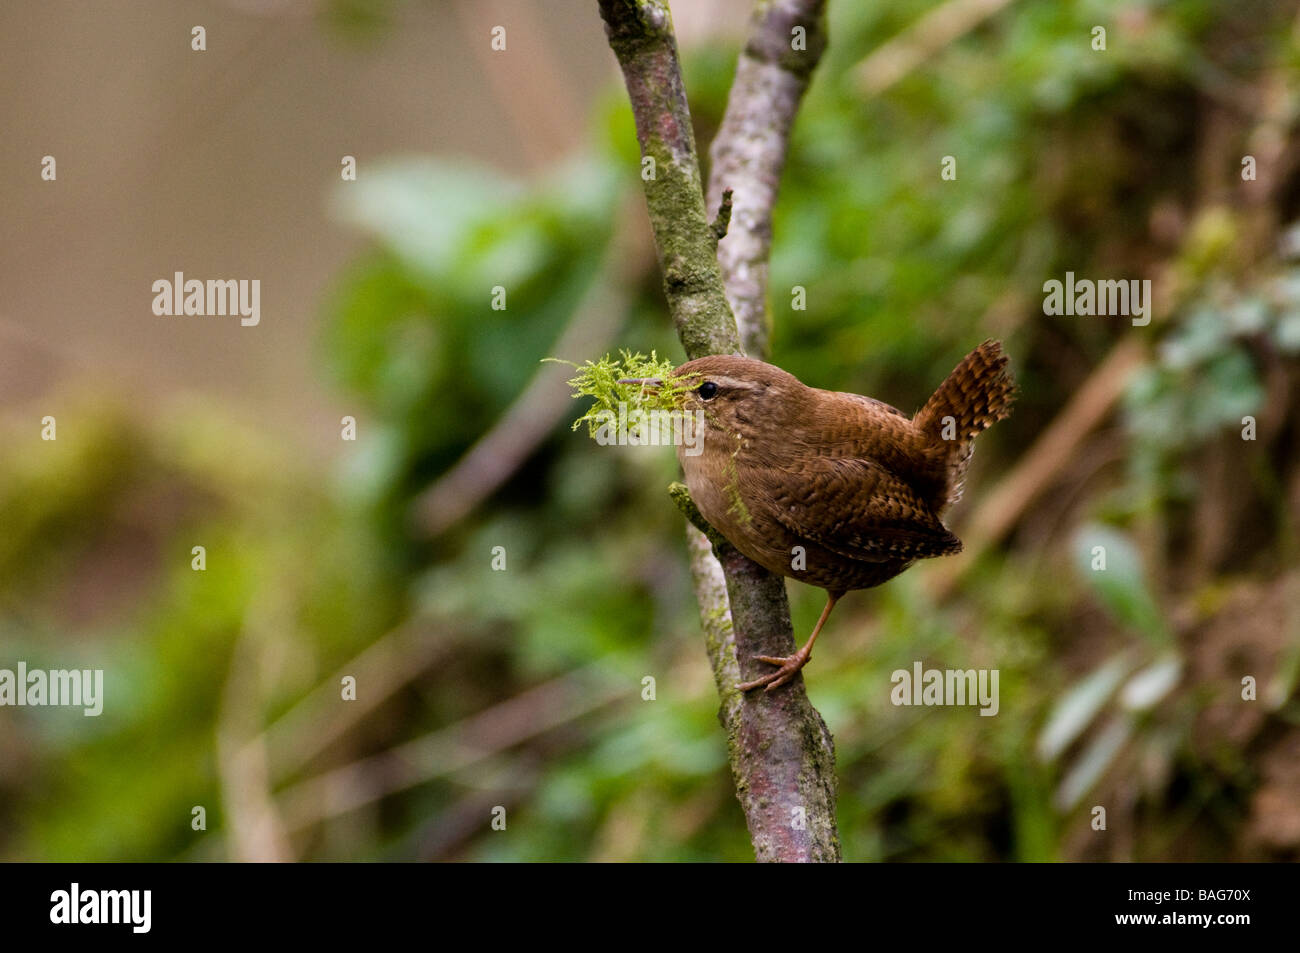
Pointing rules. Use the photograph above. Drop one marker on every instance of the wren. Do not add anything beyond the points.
(836, 490)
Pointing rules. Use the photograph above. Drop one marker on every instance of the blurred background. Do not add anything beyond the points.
(1173, 446)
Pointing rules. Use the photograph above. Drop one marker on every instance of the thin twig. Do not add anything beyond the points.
(318, 721)
(254, 830)
(723, 220)
(893, 60)
(450, 749)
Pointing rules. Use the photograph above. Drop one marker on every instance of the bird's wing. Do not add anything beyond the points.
(858, 509)
(873, 404)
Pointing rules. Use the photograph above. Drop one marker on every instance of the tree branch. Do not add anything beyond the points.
(681, 496)
(782, 757)
(641, 35)
(786, 41)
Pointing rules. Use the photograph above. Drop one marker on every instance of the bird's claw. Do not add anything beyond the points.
(789, 667)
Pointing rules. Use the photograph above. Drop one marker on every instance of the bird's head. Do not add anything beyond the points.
(737, 396)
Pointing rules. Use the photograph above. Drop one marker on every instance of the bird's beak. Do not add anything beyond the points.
(654, 383)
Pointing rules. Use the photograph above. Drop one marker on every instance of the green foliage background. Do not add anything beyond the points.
(1065, 157)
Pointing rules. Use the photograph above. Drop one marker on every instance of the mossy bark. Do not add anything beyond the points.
(641, 35)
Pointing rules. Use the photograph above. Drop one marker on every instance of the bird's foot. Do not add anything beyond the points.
(789, 668)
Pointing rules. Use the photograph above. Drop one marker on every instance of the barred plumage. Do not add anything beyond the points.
(837, 490)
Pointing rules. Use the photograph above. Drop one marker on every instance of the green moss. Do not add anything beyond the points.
(688, 253)
(603, 380)
(720, 618)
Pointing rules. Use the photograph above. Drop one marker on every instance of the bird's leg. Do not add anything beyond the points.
(791, 664)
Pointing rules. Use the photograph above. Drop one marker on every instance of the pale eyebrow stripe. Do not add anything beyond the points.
(732, 382)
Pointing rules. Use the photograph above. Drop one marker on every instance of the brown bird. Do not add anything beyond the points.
(836, 490)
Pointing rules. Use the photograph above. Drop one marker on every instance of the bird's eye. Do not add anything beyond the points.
(707, 391)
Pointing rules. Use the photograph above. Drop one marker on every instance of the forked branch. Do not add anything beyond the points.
(782, 757)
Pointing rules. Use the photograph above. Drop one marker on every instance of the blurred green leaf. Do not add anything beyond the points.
(1076, 709)
(1121, 584)
(1148, 687)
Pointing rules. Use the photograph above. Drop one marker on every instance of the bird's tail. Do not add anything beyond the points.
(978, 393)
